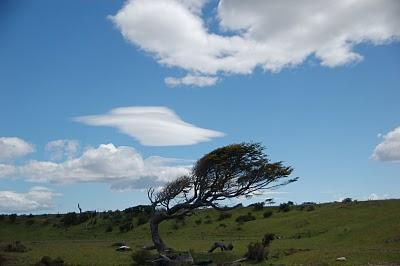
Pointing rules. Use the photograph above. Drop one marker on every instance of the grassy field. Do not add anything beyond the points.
(366, 233)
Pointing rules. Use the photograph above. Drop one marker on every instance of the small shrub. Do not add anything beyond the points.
(69, 219)
(30, 215)
(142, 220)
(142, 257)
(259, 206)
(256, 252)
(109, 228)
(12, 217)
(175, 226)
(224, 215)
(347, 200)
(48, 261)
(118, 244)
(222, 225)
(83, 217)
(245, 218)
(267, 239)
(198, 221)
(310, 208)
(267, 214)
(208, 221)
(15, 247)
(284, 207)
(1, 217)
(30, 222)
(126, 227)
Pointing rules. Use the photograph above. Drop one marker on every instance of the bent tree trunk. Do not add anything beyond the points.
(155, 220)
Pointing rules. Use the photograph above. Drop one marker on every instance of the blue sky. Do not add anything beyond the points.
(321, 110)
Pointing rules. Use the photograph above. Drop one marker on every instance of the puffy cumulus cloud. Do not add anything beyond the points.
(389, 148)
(152, 126)
(122, 167)
(13, 147)
(7, 170)
(37, 198)
(62, 148)
(191, 80)
(259, 33)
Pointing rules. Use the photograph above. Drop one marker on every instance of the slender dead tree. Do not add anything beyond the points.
(225, 173)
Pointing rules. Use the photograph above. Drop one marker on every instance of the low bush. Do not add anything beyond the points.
(12, 218)
(284, 207)
(245, 218)
(222, 225)
(267, 214)
(259, 206)
(142, 220)
(347, 200)
(126, 227)
(267, 239)
(15, 247)
(30, 222)
(109, 228)
(142, 257)
(69, 219)
(198, 221)
(256, 252)
(48, 261)
(224, 215)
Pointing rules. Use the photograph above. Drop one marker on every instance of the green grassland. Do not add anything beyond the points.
(366, 233)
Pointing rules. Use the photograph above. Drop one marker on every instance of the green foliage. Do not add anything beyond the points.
(12, 217)
(284, 207)
(256, 252)
(16, 247)
(142, 257)
(347, 200)
(245, 218)
(48, 261)
(125, 227)
(69, 219)
(30, 222)
(198, 221)
(267, 239)
(267, 214)
(142, 219)
(258, 206)
(224, 215)
(366, 233)
(109, 228)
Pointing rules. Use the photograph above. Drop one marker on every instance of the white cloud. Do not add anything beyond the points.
(12, 148)
(62, 148)
(7, 170)
(260, 33)
(37, 198)
(389, 148)
(152, 126)
(110, 164)
(191, 80)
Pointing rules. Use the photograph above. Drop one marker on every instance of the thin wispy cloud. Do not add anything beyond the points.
(268, 34)
(152, 126)
(62, 148)
(389, 148)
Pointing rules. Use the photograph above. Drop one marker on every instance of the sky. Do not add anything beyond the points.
(100, 100)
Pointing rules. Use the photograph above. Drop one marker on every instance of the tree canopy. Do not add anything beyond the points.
(225, 173)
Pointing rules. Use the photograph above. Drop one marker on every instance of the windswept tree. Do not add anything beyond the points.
(225, 173)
